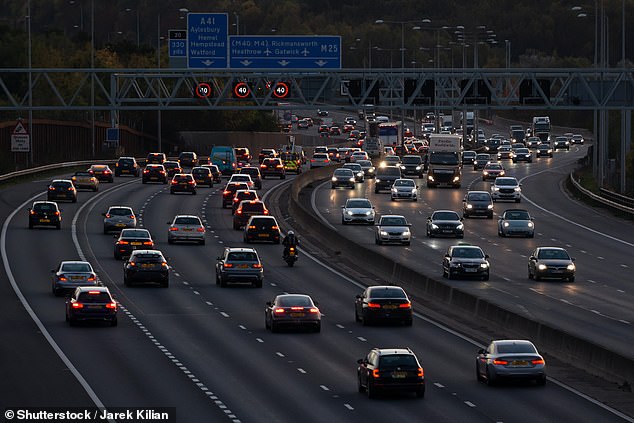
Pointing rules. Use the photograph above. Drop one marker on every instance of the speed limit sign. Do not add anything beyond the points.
(281, 90)
(203, 90)
(241, 90)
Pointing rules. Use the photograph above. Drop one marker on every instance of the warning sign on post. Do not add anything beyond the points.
(20, 139)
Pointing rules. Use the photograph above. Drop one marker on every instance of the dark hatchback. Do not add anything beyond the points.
(154, 173)
(62, 189)
(245, 210)
(172, 168)
(385, 177)
(203, 176)
(188, 158)
(127, 166)
(445, 223)
(256, 177)
(215, 172)
(183, 182)
(239, 265)
(467, 261)
(45, 213)
(390, 369)
(155, 158)
(230, 191)
(241, 195)
(383, 303)
(262, 228)
(413, 165)
(130, 240)
(272, 167)
(92, 303)
(146, 266)
(103, 173)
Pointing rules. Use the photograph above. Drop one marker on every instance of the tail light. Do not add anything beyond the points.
(146, 171)
(312, 160)
(56, 213)
(225, 192)
(108, 216)
(106, 172)
(228, 265)
(131, 216)
(538, 361)
(233, 164)
(375, 373)
(191, 182)
(122, 242)
(173, 229)
(163, 264)
(275, 227)
(405, 305)
(251, 227)
(174, 182)
(279, 310)
(112, 305)
(239, 211)
(71, 188)
(499, 362)
(148, 243)
(92, 278)
(374, 305)
(256, 265)
(292, 249)
(421, 372)
(77, 305)
(32, 212)
(263, 166)
(132, 263)
(61, 278)
(51, 188)
(279, 166)
(200, 229)
(313, 310)
(162, 172)
(296, 308)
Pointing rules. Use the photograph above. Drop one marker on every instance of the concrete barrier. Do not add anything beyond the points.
(569, 348)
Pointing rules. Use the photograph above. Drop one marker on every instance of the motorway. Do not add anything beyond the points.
(204, 350)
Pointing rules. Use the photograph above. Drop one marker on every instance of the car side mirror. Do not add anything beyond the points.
(572, 259)
(447, 256)
(358, 297)
(486, 256)
(361, 361)
(482, 351)
(532, 258)
(218, 258)
(115, 236)
(268, 303)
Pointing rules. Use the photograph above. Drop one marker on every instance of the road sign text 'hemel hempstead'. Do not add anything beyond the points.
(207, 40)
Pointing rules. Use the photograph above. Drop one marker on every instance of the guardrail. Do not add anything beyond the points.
(617, 198)
(599, 199)
(34, 170)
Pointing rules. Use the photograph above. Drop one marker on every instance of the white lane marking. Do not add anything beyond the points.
(280, 354)
(362, 339)
(598, 313)
(470, 404)
(260, 340)
(302, 371)
(348, 406)
(324, 387)
(196, 292)
(179, 275)
(625, 266)
(242, 327)
(224, 314)
(209, 303)
(439, 385)
(313, 204)
(340, 326)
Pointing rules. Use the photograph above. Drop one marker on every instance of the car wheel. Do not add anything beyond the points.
(317, 328)
(478, 375)
(450, 274)
(202, 242)
(193, 192)
(392, 199)
(517, 200)
(30, 225)
(485, 277)
(356, 315)
(258, 284)
(490, 216)
(537, 277)
(165, 283)
(126, 281)
(360, 387)
(72, 321)
(332, 187)
(217, 279)
(236, 226)
(143, 181)
(376, 191)
(58, 226)
(117, 256)
(407, 243)
(461, 236)
(114, 322)
(170, 241)
(408, 322)
(223, 283)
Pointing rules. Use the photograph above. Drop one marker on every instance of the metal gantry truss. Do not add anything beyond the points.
(409, 89)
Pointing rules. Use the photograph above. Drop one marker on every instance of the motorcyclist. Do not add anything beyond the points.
(290, 240)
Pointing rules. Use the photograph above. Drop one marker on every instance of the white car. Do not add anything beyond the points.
(349, 120)
(389, 151)
(319, 160)
(357, 210)
(506, 188)
(404, 189)
(242, 177)
(186, 228)
(359, 155)
(393, 228)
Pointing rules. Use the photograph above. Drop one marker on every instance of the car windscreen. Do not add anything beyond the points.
(516, 348)
(404, 183)
(76, 267)
(294, 301)
(95, 297)
(61, 184)
(389, 171)
(482, 157)
(320, 156)
(120, 212)
(393, 221)
(467, 253)
(255, 207)
(358, 204)
(135, 233)
(201, 171)
(44, 207)
(494, 167)
(522, 151)
(397, 360)
(479, 196)
(444, 158)
(148, 258)
(445, 216)
(506, 181)
(127, 162)
(412, 160)
(187, 221)
(242, 256)
(249, 171)
(364, 163)
(343, 173)
(240, 178)
(553, 254)
(353, 167)
(517, 215)
(387, 293)
(170, 165)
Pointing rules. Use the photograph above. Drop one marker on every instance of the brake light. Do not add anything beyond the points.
(279, 166)
(77, 305)
(251, 227)
(239, 211)
(163, 264)
(227, 265)
(200, 229)
(174, 182)
(279, 310)
(51, 188)
(374, 305)
(173, 228)
(122, 242)
(61, 278)
(538, 361)
(263, 166)
(132, 263)
(326, 161)
(421, 372)
(92, 278)
(32, 212)
(314, 310)
(191, 182)
(132, 216)
(106, 172)
(296, 308)
(162, 172)
(405, 305)
(375, 373)
(108, 215)
(312, 160)
(148, 243)
(225, 192)
(94, 292)
(146, 171)
(499, 362)
(56, 213)
(112, 305)
(275, 227)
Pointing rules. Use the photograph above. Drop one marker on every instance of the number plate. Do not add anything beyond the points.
(93, 307)
(242, 266)
(136, 243)
(471, 270)
(45, 220)
(120, 225)
(297, 314)
(147, 265)
(390, 306)
(519, 363)
(399, 375)
(76, 278)
(263, 235)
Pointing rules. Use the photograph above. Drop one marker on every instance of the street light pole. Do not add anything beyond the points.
(92, 75)
(158, 65)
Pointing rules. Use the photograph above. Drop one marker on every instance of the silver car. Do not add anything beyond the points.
(510, 359)
(71, 274)
(506, 188)
(393, 229)
(368, 168)
(319, 160)
(359, 175)
(516, 222)
(118, 218)
(405, 189)
(186, 228)
(357, 210)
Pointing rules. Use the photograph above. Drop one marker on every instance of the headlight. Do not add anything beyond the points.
(507, 224)
(485, 172)
(434, 226)
(571, 266)
(351, 179)
(334, 179)
(460, 227)
(402, 167)
(418, 167)
(495, 188)
(456, 178)
(370, 170)
(517, 189)
(469, 206)
(377, 180)
(530, 224)
(383, 233)
(413, 190)
(406, 233)
(368, 213)
(484, 265)
(359, 173)
(502, 173)
(394, 190)
(349, 213)
(490, 207)
(430, 178)
(542, 267)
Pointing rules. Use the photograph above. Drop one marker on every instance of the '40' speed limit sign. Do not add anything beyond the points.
(203, 90)
(281, 90)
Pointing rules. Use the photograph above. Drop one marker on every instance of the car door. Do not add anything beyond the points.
(364, 370)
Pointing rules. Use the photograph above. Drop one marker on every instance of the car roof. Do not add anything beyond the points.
(45, 202)
(477, 192)
(392, 215)
(119, 207)
(551, 248)
(93, 288)
(240, 249)
(155, 252)
(292, 295)
(465, 246)
(393, 351)
(62, 180)
(186, 215)
(511, 341)
(75, 262)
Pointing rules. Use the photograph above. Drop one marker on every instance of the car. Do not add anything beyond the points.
(492, 171)
(510, 359)
(568, 136)
(244, 178)
(561, 143)
(243, 155)
(292, 310)
(146, 266)
(183, 182)
(335, 130)
(552, 263)
(241, 195)
(357, 210)
(118, 218)
(391, 160)
(130, 240)
(292, 162)
(246, 209)
(342, 178)
(466, 261)
(239, 265)
(383, 303)
(358, 155)
(445, 223)
(154, 173)
(172, 168)
(45, 213)
(215, 172)
(516, 222)
(61, 189)
(322, 112)
(94, 303)
(324, 130)
(506, 188)
(413, 165)
(320, 149)
(385, 177)
(262, 228)
(344, 154)
(505, 152)
(303, 124)
(468, 157)
(477, 203)
(155, 158)
(255, 175)
(85, 180)
(267, 153)
(186, 228)
(188, 159)
(533, 142)
(392, 228)
(390, 369)
(481, 160)
(272, 167)
(230, 191)
(127, 166)
(544, 149)
(103, 173)
(203, 176)
(522, 155)
(319, 160)
(367, 167)
(350, 120)
(359, 175)
(347, 128)
(404, 189)
(577, 139)
(69, 275)
(333, 154)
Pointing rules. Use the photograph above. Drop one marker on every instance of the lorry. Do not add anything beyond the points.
(541, 128)
(391, 133)
(373, 146)
(446, 123)
(469, 123)
(444, 160)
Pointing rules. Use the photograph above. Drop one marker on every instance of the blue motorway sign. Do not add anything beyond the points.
(207, 40)
(177, 43)
(285, 51)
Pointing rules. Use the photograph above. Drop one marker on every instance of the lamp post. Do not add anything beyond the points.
(138, 38)
(402, 24)
(81, 15)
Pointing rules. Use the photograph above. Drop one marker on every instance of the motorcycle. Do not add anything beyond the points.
(291, 257)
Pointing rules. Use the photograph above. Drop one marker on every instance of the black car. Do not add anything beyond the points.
(183, 182)
(477, 203)
(561, 143)
(272, 167)
(342, 178)
(390, 369)
(465, 260)
(230, 191)
(522, 155)
(146, 266)
(544, 150)
(45, 213)
(468, 157)
(241, 195)
(551, 262)
(239, 265)
(154, 173)
(256, 177)
(383, 303)
(188, 159)
(385, 177)
(155, 158)
(127, 166)
(103, 173)
(292, 310)
(92, 303)
(203, 176)
(481, 160)
(262, 228)
(172, 168)
(215, 172)
(130, 240)
(412, 165)
(445, 223)
(62, 189)
(246, 209)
